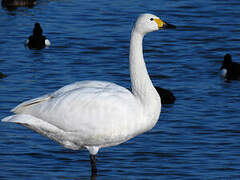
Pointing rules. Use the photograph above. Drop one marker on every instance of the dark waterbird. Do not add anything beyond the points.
(230, 70)
(2, 75)
(167, 97)
(98, 114)
(37, 40)
(18, 3)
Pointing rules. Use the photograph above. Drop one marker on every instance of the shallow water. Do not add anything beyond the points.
(196, 138)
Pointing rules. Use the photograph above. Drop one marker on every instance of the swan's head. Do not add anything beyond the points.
(148, 22)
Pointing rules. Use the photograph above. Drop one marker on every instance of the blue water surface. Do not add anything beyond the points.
(197, 137)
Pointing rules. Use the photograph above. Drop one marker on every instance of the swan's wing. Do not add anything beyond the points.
(81, 84)
(97, 110)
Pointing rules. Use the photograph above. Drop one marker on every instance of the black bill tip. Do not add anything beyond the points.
(168, 26)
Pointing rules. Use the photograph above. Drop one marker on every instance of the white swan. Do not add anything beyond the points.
(97, 114)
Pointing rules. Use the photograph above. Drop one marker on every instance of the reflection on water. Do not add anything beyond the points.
(195, 137)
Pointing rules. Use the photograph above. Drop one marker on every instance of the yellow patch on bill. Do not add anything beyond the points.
(159, 22)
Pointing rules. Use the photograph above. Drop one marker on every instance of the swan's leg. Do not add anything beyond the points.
(93, 159)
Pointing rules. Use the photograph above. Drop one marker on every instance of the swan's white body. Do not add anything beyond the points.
(96, 114)
(91, 114)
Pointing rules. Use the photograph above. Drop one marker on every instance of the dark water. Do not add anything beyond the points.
(195, 138)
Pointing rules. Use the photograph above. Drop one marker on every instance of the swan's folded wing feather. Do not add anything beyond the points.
(21, 107)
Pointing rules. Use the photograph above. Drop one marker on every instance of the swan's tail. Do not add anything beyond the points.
(44, 128)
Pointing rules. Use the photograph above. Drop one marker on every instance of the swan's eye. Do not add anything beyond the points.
(151, 19)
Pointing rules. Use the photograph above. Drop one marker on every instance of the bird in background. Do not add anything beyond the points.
(37, 40)
(12, 4)
(230, 70)
(167, 97)
(98, 114)
(2, 75)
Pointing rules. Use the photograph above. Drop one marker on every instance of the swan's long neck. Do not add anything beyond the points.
(142, 86)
